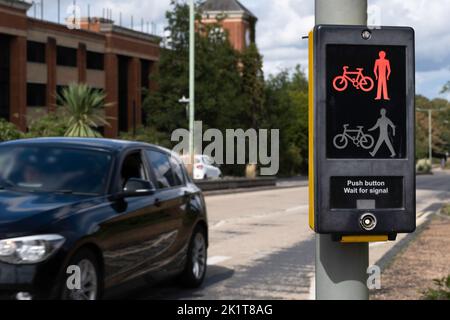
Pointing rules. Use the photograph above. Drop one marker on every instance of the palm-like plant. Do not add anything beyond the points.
(83, 106)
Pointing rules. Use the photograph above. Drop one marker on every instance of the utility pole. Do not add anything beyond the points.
(341, 269)
(430, 132)
(191, 84)
(430, 137)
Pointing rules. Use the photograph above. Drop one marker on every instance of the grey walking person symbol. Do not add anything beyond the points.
(384, 123)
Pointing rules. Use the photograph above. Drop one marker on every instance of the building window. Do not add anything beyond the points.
(95, 61)
(36, 52)
(66, 57)
(36, 95)
(60, 89)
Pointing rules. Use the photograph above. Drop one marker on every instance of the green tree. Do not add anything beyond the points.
(253, 85)
(219, 98)
(84, 109)
(446, 88)
(287, 110)
(440, 125)
(218, 80)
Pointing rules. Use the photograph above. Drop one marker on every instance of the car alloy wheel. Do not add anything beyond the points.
(196, 262)
(199, 256)
(89, 279)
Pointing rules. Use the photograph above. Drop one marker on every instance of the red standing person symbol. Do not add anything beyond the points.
(382, 72)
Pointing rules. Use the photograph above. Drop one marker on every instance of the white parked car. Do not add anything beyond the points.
(204, 168)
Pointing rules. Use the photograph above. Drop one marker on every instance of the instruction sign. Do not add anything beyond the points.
(362, 119)
(367, 193)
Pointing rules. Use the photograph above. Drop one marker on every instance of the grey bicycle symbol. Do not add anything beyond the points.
(358, 137)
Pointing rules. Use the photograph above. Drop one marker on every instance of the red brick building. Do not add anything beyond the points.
(237, 20)
(39, 58)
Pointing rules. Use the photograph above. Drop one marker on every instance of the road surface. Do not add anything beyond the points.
(262, 248)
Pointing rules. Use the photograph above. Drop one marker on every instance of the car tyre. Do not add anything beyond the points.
(196, 260)
(91, 278)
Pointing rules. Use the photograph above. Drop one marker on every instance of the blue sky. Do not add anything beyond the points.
(282, 23)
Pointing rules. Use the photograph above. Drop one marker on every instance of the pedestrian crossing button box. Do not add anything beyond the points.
(362, 119)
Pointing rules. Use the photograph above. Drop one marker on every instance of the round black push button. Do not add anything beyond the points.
(368, 221)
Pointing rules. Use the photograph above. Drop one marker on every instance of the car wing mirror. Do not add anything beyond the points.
(136, 188)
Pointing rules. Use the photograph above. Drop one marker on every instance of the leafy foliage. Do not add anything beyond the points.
(423, 166)
(84, 107)
(9, 131)
(287, 109)
(147, 135)
(50, 125)
(253, 86)
(440, 125)
(446, 88)
(446, 210)
(442, 292)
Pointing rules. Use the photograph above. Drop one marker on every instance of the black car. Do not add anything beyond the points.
(81, 216)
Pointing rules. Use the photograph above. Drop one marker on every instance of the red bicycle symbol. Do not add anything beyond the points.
(357, 78)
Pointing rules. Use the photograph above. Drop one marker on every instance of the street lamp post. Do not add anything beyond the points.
(430, 132)
(191, 83)
(185, 101)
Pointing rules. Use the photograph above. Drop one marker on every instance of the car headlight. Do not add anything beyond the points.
(29, 250)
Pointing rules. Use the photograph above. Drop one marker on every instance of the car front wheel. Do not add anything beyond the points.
(83, 281)
(196, 264)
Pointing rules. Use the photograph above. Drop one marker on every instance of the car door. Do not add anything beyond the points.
(132, 238)
(173, 199)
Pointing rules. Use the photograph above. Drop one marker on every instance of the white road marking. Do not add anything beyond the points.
(312, 288)
(264, 215)
(219, 224)
(216, 260)
(297, 208)
(424, 218)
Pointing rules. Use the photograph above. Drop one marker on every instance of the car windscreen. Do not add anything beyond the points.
(54, 169)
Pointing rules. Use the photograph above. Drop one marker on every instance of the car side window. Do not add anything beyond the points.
(162, 169)
(132, 167)
(178, 171)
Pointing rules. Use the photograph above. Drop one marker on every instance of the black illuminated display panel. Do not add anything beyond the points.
(366, 102)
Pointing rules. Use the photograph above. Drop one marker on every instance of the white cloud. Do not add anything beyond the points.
(283, 22)
(430, 83)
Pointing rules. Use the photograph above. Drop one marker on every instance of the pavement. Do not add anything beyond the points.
(261, 246)
(413, 271)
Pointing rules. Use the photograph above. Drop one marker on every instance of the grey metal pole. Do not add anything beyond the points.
(191, 83)
(430, 136)
(341, 269)
(89, 17)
